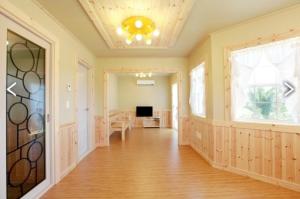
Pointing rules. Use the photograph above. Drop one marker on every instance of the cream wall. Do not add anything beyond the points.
(173, 79)
(70, 50)
(113, 94)
(104, 64)
(199, 55)
(132, 95)
(212, 49)
(275, 23)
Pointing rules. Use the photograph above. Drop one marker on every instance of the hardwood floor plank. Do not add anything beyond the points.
(150, 164)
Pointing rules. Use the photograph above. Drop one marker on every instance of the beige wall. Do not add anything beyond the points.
(212, 50)
(103, 64)
(70, 50)
(199, 55)
(132, 95)
(113, 94)
(275, 23)
(173, 79)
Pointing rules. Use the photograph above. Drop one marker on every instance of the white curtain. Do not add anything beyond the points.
(197, 90)
(266, 65)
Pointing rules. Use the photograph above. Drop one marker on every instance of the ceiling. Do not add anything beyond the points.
(206, 16)
(107, 16)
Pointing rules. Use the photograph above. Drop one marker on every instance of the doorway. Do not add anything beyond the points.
(25, 125)
(175, 106)
(83, 110)
(177, 76)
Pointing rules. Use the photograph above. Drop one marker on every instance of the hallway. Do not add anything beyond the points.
(151, 165)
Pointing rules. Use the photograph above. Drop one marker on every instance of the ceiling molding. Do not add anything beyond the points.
(169, 16)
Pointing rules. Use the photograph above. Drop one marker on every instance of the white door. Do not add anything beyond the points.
(83, 111)
(175, 106)
(24, 100)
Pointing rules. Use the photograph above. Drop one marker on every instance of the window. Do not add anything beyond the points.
(197, 92)
(259, 82)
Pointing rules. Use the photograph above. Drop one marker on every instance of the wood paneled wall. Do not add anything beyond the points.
(165, 117)
(185, 122)
(99, 131)
(68, 148)
(202, 138)
(264, 154)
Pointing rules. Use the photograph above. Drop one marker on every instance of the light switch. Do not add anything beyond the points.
(67, 104)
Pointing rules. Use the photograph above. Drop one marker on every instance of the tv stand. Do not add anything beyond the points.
(151, 122)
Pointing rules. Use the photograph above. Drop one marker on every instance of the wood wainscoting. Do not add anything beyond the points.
(267, 154)
(166, 121)
(136, 122)
(99, 131)
(186, 129)
(68, 148)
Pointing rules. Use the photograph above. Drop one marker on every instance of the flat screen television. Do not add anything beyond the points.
(144, 111)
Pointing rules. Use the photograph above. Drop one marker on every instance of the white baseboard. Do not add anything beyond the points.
(67, 171)
(39, 195)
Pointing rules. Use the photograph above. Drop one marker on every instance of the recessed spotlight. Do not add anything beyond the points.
(128, 41)
(156, 33)
(139, 37)
(7, 43)
(119, 31)
(149, 42)
(138, 24)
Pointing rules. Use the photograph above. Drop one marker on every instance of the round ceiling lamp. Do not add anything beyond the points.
(138, 28)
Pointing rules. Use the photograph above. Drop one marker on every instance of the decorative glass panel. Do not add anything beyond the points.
(25, 115)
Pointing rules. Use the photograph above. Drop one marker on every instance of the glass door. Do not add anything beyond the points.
(26, 108)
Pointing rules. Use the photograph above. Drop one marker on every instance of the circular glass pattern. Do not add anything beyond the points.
(19, 172)
(35, 151)
(22, 57)
(35, 123)
(32, 82)
(17, 113)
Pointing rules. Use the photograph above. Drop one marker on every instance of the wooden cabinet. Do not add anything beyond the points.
(151, 122)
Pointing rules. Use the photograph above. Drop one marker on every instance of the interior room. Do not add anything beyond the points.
(142, 100)
(149, 99)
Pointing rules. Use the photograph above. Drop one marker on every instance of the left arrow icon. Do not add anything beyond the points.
(10, 87)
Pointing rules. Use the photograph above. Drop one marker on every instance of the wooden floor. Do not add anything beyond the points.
(151, 165)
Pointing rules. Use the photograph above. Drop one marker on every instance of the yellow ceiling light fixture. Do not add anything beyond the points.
(138, 28)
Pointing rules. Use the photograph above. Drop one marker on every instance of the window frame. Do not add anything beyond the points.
(229, 109)
(201, 65)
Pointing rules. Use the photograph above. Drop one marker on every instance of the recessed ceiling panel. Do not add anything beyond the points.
(169, 17)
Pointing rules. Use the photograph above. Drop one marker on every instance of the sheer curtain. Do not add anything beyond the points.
(266, 65)
(197, 90)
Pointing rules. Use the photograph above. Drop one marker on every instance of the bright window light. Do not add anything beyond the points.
(260, 77)
(197, 91)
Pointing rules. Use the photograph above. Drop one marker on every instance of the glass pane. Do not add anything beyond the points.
(25, 112)
(262, 78)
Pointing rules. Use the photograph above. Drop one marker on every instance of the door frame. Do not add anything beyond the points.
(174, 84)
(90, 100)
(179, 76)
(18, 17)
